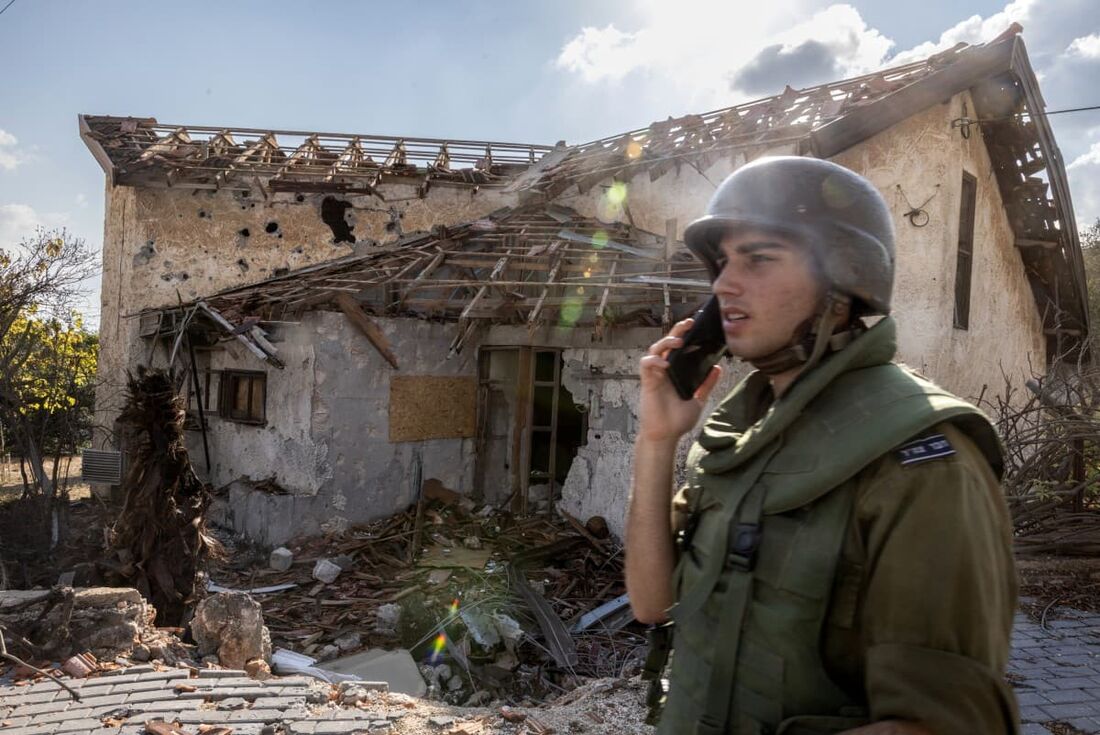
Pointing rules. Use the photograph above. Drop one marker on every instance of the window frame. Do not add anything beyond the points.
(226, 386)
(964, 251)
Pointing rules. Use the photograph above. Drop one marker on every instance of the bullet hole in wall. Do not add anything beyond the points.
(297, 250)
(280, 271)
(145, 253)
(300, 198)
(242, 264)
(203, 214)
(244, 232)
(272, 227)
(334, 214)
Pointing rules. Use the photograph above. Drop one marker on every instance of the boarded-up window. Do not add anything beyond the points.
(243, 396)
(430, 407)
(964, 263)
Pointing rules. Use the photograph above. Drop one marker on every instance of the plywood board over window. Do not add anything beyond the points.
(432, 407)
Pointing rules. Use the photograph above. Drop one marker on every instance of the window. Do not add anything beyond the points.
(243, 396)
(964, 263)
(208, 385)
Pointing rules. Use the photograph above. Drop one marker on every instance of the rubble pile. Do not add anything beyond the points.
(105, 622)
(491, 606)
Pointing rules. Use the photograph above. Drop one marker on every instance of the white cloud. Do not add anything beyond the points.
(81, 200)
(974, 29)
(690, 52)
(1089, 158)
(1087, 47)
(10, 156)
(18, 221)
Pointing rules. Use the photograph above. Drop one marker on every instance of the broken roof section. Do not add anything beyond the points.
(143, 152)
(533, 266)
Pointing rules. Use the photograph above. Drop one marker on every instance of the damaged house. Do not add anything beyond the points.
(355, 315)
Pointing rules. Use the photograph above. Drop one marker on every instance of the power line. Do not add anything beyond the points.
(7, 6)
(1046, 113)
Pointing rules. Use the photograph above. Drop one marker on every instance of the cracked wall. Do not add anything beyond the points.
(164, 245)
(325, 442)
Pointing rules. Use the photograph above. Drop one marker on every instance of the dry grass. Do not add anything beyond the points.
(11, 482)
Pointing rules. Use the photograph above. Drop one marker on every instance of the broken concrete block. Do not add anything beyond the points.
(386, 618)
(396, 668)
(231, 626)
(349, 642)
(258, 669)
(454, 683)
(472, 542)
(343, 561)
(351, 694)
(141, 653)
(326, 571)
(281, 559)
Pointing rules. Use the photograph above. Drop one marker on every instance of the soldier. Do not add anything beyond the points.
(840, 558)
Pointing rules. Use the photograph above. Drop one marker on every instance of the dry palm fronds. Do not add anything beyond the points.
(160, 538)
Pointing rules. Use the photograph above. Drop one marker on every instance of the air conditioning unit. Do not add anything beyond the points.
(100, 466)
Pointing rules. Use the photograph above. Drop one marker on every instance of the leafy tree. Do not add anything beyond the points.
(47, 359)
(1090, 249)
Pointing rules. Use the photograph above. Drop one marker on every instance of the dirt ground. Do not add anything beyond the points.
(11, 482)
(1050, 582)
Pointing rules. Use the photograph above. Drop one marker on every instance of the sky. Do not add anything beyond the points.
(530, 71)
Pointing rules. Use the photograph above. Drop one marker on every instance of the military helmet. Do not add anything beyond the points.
(836, 211)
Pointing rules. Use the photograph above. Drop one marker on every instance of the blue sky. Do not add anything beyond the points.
(516, 71)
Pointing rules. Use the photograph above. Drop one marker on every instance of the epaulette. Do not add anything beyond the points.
(933, 446)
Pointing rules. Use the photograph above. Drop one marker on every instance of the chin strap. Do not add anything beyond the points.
(813, 340)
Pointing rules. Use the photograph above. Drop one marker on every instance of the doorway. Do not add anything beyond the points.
(529, 428)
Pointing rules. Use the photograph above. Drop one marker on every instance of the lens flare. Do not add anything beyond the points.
(616, 194)
(633, 149)
(571, 311)
(438, 645)
(599, 240)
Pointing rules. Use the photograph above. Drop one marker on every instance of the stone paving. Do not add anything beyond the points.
(213, 697)
(1056, 671)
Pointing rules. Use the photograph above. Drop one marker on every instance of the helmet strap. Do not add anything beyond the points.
(816, 338)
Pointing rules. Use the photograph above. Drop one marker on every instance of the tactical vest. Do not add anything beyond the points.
(771, 505)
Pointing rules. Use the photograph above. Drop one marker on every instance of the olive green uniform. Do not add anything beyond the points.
(877, 581)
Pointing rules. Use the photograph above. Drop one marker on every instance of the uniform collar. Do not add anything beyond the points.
(736, 429)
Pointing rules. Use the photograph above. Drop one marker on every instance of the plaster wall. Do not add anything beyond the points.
(326, 439)
(923, 159)
(164, 245)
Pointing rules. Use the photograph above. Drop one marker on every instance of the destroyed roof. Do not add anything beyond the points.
(143, 152)
(534, 265)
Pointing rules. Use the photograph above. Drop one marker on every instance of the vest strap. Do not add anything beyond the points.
(696, 597)
(735, 607)
(660, 646)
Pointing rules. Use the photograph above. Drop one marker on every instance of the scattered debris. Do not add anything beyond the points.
(326, 571)
(230, 625)
(80, 665)
(396, 668)
(281, 559)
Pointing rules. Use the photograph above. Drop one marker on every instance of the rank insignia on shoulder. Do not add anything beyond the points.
(925, 448)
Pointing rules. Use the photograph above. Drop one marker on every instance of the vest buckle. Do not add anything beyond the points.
(743, 546)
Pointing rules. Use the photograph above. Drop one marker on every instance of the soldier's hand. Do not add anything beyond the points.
(663, 415)
(890, 727)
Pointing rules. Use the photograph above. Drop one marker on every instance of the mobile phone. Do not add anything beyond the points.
(704, 345)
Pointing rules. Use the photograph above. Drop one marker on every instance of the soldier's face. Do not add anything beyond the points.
(766, 288)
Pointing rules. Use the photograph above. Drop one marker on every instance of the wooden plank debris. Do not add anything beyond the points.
(366, 325)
